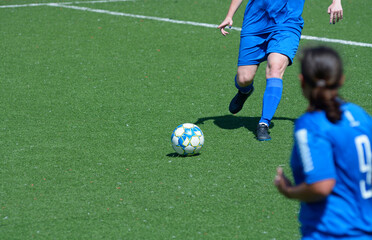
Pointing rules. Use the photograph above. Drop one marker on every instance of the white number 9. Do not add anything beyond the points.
(363, 147)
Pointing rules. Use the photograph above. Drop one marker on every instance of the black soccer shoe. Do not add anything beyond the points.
(238, 101)
(263, 132)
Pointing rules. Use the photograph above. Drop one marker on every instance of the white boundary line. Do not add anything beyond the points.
(68, 5)
(352, 43)
(330, 40)
(135, 15)
(47, 4)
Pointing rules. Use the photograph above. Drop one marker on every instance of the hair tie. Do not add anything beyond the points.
(321, 83)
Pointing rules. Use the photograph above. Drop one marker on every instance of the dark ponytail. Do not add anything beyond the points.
(322, 70)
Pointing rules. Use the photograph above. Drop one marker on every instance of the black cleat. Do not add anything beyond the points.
(238, 101)
(263, 132)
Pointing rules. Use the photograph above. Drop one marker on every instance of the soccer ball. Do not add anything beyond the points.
(187, 139)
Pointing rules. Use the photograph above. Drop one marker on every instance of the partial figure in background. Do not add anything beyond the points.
(271, 31)
(331, 158)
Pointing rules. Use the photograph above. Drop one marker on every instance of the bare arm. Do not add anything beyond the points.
(303, 192)
(335, 11)
(235, 4)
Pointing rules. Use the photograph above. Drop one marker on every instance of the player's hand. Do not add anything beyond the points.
(227, 22)
(281, 182)
(335, 12)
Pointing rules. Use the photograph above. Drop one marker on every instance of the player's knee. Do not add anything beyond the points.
(244, 80)
(275, 70)
(276, 66)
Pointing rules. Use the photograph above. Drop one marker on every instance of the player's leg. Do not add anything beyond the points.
(281, 49)
(276, 65)
(251, 53)
(245, 75)
(244, 84)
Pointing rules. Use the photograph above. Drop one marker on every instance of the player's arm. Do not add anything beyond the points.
(335, 11)
(304, 192)
(235, 4)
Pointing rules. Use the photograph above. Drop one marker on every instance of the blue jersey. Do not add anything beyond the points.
(264, 16)
(342, 151)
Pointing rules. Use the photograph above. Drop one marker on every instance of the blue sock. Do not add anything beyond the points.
(244, 90)
(271, 99)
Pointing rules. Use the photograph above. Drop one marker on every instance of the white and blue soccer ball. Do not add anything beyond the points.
(187, 139)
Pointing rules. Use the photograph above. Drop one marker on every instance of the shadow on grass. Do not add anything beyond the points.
(176, 155)
(235, 122)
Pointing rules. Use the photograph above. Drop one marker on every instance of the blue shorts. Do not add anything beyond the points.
(254, 49)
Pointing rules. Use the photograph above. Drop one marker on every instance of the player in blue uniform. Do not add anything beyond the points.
(271, 31)
(331, 158)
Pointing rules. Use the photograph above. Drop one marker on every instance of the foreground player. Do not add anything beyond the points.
(271, 31)
(331, 158)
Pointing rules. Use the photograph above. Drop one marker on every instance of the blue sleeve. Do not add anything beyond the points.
(315, 155)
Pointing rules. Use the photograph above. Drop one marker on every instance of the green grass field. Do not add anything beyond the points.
(89, 101)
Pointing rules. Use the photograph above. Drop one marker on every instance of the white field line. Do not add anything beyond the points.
(101, 1)
(205, 24)
(135, 16)
(330, 40)
(68, 5)
(77, 2)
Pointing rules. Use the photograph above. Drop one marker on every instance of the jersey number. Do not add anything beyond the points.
(363, 147)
